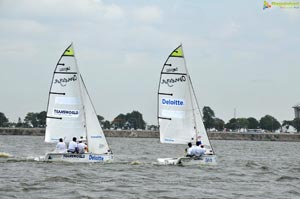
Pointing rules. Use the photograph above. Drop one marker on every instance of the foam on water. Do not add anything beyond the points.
(5, 155)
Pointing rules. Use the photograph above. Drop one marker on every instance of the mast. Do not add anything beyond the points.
(81, 94)
(190, 89)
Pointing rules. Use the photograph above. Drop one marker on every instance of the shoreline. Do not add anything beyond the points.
(282, 137)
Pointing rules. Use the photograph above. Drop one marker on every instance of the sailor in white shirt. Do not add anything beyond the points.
(73, 146)
(199, 150)
(81, 147)
(61, 147)
(190, 150)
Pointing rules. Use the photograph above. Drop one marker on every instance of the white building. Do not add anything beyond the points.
(297, 110)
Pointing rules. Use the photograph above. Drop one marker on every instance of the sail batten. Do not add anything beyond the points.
(72, 73)
(173, 73)
(58, 118)
(166, 94)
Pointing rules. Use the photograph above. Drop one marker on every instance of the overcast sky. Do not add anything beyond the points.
(238, 55)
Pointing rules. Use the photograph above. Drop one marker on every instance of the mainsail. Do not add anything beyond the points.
(179, 115)
(70, 112)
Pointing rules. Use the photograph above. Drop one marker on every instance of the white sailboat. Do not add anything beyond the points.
(179, 116)
(70, 113)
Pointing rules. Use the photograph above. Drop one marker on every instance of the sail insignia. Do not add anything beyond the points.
(177, 52)
(69, 51)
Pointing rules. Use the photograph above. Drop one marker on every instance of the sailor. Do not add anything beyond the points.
(73, 146)
(199, 149)
(202, 150)
(61, 147)
(81, 146)
(199, 139)
(189, 150)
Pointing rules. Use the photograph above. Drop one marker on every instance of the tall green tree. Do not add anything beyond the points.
(242, 123)
(135, 120)
(269, 123)
(119, 121)
(41, 118)
(208, 117)
(3, 120)
(31, 119)
(100, 118)
(232, 124)
(252, 123)
(130, 120)
(219, 124)
(296, 124)
(106, 124)
(35, 119)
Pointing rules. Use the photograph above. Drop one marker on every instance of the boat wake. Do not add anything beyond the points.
(136, 162)
(5, 155)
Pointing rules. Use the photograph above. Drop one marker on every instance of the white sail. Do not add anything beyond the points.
(201, 131)
(179, 115)
(70, 111)
(65, 118)
(95, 136)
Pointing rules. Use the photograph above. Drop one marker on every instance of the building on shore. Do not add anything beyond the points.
(297, 110)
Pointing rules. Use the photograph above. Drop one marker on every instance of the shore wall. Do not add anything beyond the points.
(155, 134)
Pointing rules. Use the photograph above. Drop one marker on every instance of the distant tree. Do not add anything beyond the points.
(31, 119)
(152, 127)
(296, 124)
(208, 117)
(135, 120)
(100, 118)
(119, 121)
(287, 123)
(35, 119)
(269, 123)
(242, 123)
(41, 118)
(232, 124)
(252, 123)
(128, 121)
(3, 120)
(219, 124)
(106, 124)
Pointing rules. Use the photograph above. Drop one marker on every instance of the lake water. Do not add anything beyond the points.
(245, 169)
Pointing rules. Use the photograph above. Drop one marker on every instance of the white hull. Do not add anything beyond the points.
(74, 157)
(188, 161)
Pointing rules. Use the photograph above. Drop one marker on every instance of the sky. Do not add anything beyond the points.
(239, 56)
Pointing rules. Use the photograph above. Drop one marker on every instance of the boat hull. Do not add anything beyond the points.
(74, 157)
(188, 161)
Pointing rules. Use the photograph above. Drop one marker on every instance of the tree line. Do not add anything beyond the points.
(134, 120)
(267, 122)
